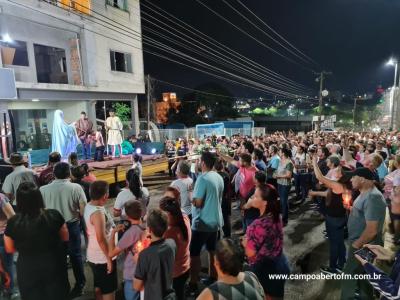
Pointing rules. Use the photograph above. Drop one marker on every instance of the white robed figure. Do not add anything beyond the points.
(64, 137)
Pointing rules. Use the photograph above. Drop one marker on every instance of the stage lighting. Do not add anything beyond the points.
(138, 151)
(153, 151)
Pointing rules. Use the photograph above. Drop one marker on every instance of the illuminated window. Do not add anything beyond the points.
(82, 6)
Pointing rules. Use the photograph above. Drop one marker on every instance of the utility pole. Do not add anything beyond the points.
(396, 63)
(354, 113)
(149, 92)
(321, 86)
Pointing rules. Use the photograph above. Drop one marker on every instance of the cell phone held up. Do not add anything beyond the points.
(366, 254)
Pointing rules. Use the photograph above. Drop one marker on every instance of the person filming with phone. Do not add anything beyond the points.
(387, 286)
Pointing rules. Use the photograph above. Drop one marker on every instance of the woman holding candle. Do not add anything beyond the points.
(336, 195)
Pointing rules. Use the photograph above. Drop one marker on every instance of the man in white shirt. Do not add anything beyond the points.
(185, 186)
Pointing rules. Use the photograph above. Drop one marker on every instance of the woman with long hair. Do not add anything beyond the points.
(179, 231)
(133, 191)
(263, 242)
(337, 197)
(39, 236)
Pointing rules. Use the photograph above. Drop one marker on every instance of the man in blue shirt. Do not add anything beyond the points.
(207, 218)
(273, 164)
(258, 156)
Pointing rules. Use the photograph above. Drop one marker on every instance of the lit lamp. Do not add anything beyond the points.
(393, 62)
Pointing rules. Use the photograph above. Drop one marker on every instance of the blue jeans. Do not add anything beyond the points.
(8, 261)
(86, 149)
(302, 182)
(337, 249)
(75, 253)
(283, 191)
(129, 292)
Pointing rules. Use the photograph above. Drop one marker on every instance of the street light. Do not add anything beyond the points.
(393, 62)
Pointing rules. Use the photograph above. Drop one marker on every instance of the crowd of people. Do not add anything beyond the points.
(351, 179)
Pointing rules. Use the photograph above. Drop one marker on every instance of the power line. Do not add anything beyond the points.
(194, 90)
(266, 89)
(96, 18)
(218, 76)
(187, 57)
(121, 27)
(275, 32)
(216, 43)
(252, 37)
(199, 62)
(69, 22)
(265, 33)
(232, 65)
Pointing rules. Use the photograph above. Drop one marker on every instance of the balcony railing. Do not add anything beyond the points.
(82, 6)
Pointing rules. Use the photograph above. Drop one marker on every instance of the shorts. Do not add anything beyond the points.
(201, 238)
(107, 283)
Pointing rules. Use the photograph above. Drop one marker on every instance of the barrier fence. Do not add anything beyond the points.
(191, 133)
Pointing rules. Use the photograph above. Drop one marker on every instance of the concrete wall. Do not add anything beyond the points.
(96, 41)
(71, 109)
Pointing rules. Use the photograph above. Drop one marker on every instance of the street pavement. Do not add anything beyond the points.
(304, 245)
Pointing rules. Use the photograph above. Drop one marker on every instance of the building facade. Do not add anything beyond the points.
(67, 55)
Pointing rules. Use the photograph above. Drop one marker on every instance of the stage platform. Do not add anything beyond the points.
(113, 171)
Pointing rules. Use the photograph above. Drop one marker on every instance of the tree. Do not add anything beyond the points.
(199, 107)
(123, 111)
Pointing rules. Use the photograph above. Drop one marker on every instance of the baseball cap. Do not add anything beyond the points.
(363, 172)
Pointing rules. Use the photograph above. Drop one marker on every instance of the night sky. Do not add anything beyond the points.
(351, 38)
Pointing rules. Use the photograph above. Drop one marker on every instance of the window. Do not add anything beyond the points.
(121, 4)
(51, 64)
(14, 53)
(82, 6)
(121, 62)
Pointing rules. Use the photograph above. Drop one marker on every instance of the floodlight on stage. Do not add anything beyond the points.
(138, 151)
(153, 151)
(6, 38)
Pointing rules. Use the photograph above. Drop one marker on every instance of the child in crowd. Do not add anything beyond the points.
(73, 159)
(131, 243)
(98, 138)
(137, 166)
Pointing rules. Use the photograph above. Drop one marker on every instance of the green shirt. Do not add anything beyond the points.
(282, 171)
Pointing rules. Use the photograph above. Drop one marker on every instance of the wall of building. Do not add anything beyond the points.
(96, 41)
(33, 33)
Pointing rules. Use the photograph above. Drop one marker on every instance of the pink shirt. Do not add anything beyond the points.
(89, 178)
(99, 139)
(246, 181)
